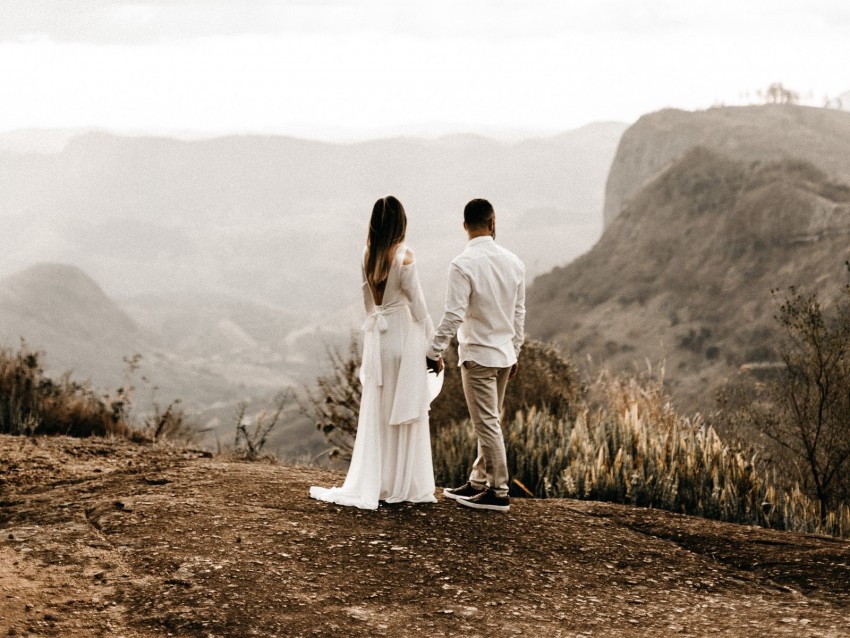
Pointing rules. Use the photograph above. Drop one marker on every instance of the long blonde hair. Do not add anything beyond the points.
(386, 231)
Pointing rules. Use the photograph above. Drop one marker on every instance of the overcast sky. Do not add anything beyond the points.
(346, 69)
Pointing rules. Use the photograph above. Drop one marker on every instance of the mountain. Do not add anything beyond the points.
(60, 310)
(281, 221)
(747, 133)
(840, 102)
(38, 141)
(683, 275)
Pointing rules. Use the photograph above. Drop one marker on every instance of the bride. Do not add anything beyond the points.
(391, 459)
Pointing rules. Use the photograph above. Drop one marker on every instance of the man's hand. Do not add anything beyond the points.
(514, 371)
(434, 365)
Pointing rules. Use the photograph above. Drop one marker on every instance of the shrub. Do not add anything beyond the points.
(249, 442)
(32, 403)
(546, 381)
(804, 407)
(334, 403)
(636, 449)
(170, 424)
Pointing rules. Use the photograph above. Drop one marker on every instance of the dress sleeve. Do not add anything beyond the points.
(413, 403)
(413, 291)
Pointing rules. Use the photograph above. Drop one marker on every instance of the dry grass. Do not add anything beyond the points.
(32, 403)
(630, 446)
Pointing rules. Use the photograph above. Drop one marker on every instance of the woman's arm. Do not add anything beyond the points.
(412, 289)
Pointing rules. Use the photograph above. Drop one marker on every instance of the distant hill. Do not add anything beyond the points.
(683, 275)
(841, 102)
(748, 133)
(281, 221)
(61, 311)
(38, 141)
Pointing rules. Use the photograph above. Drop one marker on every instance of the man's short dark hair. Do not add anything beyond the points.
(478, 213)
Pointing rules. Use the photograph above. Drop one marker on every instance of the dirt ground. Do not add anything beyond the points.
(107, 538)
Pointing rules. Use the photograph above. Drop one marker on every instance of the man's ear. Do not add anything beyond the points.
(491, 225)
(465, 227)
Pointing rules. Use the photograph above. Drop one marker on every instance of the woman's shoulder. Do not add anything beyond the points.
(404, 255)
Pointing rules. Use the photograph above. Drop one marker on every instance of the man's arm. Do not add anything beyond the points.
(457, 300)
(519, 316)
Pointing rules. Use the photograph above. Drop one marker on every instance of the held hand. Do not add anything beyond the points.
(434, 365)
(514, 371)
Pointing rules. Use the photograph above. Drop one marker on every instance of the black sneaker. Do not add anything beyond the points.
(463, 492)
(487, 500)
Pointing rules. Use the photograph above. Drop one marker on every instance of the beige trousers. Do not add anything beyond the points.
(484, 389)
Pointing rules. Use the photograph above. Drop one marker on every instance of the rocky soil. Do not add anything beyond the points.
(106, 538)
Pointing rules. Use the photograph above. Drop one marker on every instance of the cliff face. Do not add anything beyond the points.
(684, 274)
(751, 133)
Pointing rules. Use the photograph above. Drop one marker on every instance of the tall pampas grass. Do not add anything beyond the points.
(629, 445)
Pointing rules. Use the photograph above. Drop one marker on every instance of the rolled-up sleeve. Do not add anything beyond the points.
(457, 301)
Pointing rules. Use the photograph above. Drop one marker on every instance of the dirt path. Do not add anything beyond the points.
(102, 538)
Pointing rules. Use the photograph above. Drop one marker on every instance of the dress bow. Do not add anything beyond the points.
(375, 324)
(376, 320)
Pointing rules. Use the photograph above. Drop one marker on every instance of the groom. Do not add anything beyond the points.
(485, 306)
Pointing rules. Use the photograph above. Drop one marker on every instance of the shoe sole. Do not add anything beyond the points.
(478, 506)
(456, 497)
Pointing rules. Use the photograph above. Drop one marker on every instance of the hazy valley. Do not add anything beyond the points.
(231, 264)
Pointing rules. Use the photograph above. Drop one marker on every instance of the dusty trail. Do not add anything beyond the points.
(106, 538)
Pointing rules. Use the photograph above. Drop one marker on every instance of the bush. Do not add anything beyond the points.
(547, 381)
(250, 441)
(636, 449)
(804, 406)
(334, 403)
(31, 403)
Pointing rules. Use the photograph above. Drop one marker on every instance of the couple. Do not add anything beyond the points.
(485, 306)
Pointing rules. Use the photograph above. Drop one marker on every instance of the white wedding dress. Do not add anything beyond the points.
(391, 459)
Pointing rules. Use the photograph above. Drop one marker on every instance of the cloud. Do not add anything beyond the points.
(317, 67)
(145, 21)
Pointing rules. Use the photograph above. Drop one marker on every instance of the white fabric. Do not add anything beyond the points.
(485, 306)
(391, 459)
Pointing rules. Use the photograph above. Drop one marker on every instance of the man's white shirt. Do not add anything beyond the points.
(485, 306)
